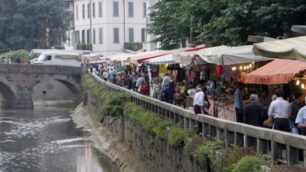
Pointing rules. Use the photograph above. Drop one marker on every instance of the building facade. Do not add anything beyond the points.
(110, 25)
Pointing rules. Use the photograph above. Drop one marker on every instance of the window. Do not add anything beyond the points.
(83, 36)
(77, 37)
(100, 9)
(77, 12)
(143, 35)
(66, 4)
(116, 9)
(131, 34)
(130, 9)
(49, 57)
(88, 10)
(94, 36)
(88, 37)
(93, 10)
(83, 11)
(116, 35)
(144, 9)
(100, 36)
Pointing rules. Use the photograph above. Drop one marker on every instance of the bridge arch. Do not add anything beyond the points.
(69, 82)
(8, 92)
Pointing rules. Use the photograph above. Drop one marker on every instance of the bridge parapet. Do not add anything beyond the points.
(39, 69)
(279, 146)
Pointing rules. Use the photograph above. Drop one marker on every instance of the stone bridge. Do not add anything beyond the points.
(17, 82)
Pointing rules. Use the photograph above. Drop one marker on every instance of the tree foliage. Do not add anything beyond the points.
(229, 22)
(27, 24)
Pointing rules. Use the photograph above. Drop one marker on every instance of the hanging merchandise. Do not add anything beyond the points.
(163, 68)
(219, 70)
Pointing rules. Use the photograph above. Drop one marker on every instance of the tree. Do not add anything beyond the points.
(29, 24)
(228, 22)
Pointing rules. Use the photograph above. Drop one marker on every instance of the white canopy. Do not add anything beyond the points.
(170, 59)
(225, 55)
(119, 57)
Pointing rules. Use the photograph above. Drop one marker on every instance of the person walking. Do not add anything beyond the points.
(165, 82)
(254, 113)
(238, 102)
(139, 81)
(198, 100)
(279, 112)
(295, 106)
(300, 120)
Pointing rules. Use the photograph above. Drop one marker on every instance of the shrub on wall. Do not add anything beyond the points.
(178, 136)
(249, 164)
(230, 157)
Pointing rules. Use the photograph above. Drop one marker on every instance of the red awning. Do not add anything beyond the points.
(150, 56)
(279, 71)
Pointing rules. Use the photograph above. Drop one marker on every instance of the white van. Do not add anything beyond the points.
(59, 58)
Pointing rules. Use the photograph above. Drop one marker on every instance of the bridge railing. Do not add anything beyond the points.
(279, 146)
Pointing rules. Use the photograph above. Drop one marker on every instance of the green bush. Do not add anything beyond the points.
(230, 157)
(208, 149)
(111, 103)
(249, 164)
(161, 130)
(134, 46)
(178, 136)
(13, 55)
(84, 46)
(192, 144)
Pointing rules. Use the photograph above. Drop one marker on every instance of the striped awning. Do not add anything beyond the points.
(291, 48)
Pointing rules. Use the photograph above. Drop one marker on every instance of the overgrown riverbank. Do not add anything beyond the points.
(162, 144)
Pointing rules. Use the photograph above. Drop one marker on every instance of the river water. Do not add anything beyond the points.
(46, 140)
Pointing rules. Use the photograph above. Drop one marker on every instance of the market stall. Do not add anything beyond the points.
(280, 73)
(291, 48)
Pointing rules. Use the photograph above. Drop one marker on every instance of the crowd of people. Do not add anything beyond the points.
(280, 114)
(162, 88)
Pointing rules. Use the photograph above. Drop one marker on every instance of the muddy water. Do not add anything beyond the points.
(46, 140)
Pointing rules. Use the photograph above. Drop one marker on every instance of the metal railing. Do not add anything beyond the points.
(279, 146)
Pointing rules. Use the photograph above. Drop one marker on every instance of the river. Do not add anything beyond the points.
(46, 140)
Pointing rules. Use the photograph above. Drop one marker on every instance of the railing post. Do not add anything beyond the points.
(186, 122)
(275, 151)
(292, 155)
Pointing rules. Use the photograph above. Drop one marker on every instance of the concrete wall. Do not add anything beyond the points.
(148, 153)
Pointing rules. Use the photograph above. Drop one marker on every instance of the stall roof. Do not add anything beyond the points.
(292, 48)
(143, 57)
(170, 59)
(279, 71)
(225, 55)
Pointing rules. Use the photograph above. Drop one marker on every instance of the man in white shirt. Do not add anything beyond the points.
(301, 119)
(198, 100)
(279, 112)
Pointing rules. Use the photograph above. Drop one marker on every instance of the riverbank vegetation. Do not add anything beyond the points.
(211, 153)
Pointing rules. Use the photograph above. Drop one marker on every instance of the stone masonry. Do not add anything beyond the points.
(17, 82)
